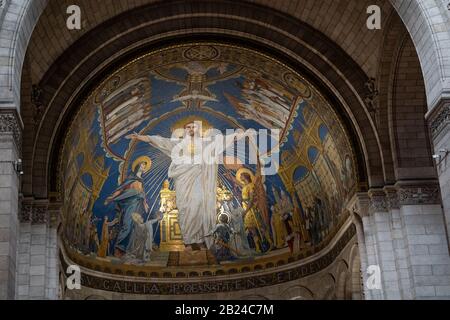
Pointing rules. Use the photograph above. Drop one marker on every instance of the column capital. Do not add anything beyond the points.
(395, 196)
(419, 192)
(378, 201)
(35, 211)
(359, 204)
(439, 120)
(11, 123)
(392, 197)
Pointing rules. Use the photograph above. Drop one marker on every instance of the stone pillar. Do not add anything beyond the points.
(359, 208)
(378, 224)
(399, 244)
(439, 123)
(404, 235)
(426, 239)
(38, 268)
(10, 140)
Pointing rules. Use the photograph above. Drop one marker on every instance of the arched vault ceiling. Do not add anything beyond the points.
(342, 21)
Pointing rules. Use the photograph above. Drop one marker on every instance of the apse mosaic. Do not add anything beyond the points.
(126, 203)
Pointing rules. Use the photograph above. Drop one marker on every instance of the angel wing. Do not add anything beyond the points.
(125, 109)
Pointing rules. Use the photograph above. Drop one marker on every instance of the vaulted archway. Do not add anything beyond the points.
(379, 97)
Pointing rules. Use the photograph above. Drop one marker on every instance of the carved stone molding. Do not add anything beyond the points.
(10, 123)
(54, 214)
(26, 212)
(147, 284)
(439, 120)
(40, 215)
(378, 201)
(417, 195)
(371, 98)
(392, 198)
(36, 100)
(35, 212)
(359, 205)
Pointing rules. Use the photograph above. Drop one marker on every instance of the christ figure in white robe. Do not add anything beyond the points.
(194, 170)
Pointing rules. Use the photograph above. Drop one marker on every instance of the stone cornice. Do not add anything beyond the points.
(10, 123)
(393, 197)
(439, 119)
(378, 201)
(39, 212)
(146, 284)
(419, 194)
(359, 204)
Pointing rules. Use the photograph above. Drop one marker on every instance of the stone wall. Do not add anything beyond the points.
(37, 276)
(404, 234)
(402, 229)
(16, 27)
(37, 271)
(9, 201)
(428, 24)
(440, 128)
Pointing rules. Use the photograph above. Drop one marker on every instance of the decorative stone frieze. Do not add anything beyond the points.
(439, 120)
(378, 201)
(392, 198)
(417, 195)
(10, 123)
(35, 212)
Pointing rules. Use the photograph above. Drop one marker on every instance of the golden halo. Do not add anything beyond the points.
(224, 214)
(180, 124)
(143, 159)
(241, 172)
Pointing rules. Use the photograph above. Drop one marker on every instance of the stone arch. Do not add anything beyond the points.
(354, 281)
(47, 145)
(327, 290)
(410, 139)
(341, 273)
(30, 12)
(423, 22)
(19, 18)
(428, 27)
(19, 41)
(400, 120)
(394, 30)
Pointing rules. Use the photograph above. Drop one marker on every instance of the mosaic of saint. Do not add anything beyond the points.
(127, 202)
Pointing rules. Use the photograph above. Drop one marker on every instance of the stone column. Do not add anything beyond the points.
(425, 238)
(380, 223)
(38, 268)
(10, 140)
(399, 244)
(439, 123)
(404, 235)
(359, 209)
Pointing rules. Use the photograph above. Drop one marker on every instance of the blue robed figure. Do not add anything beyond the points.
(130, 199)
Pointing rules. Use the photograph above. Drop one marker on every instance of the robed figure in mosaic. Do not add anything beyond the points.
(130, 200)
(194, 171)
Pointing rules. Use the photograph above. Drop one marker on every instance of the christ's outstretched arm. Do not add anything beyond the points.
(164, 144)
